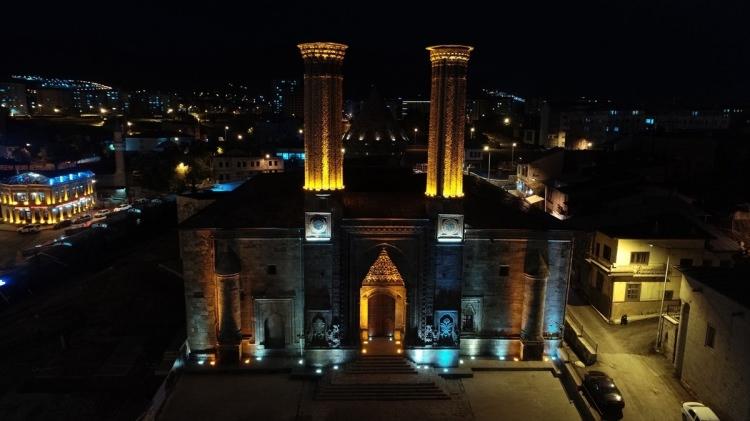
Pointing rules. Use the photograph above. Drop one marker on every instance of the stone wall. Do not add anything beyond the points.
(271, 269)
(502, 296)
(197, 253)
(719, 375)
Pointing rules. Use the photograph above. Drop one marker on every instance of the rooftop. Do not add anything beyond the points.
(277, 201)
(730, 282)
(36, 178)
(664, 226)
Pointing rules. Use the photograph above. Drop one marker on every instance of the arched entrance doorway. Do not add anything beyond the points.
(381, 315)
(382, 300)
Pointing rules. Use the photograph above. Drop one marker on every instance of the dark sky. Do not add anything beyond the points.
(627, 50)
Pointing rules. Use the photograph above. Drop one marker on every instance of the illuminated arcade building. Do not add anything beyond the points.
(374, 131)
(327, 261)
(32, 198)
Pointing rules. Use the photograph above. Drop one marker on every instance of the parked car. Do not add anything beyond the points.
(141, 201)
(122, 207)
(603, 394)
(82, 219)
(63, 224)
(696, 411)
(156, 201)
(30, 228)
(102, 213)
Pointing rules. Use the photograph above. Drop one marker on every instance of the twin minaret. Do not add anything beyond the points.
(324, 153)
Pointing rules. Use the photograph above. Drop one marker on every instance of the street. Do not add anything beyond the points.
(646, 380)
(13, 242)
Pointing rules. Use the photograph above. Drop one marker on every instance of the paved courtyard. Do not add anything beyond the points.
(490, 395)
(518, 395)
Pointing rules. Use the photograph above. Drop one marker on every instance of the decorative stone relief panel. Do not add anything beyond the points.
(318, 226)
(450, 228)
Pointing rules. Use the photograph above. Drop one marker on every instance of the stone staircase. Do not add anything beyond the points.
(381, 377)
(381, 364)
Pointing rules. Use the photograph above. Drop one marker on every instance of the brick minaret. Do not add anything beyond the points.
(323, 106)
(445, 156)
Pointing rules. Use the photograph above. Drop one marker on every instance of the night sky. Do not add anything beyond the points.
(688, 51)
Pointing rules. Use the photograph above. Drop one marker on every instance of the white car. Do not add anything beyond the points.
(122, 207)
(696, 411)
(102, 213)
(30, 228)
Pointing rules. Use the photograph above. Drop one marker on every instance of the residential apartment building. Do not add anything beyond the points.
(630, 267)
(237, 167)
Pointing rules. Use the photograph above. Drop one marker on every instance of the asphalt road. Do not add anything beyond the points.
(645, 378)
(13, 242)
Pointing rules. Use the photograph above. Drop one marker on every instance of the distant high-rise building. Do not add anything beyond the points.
(13, 97)
(286, 98)
(85, 97)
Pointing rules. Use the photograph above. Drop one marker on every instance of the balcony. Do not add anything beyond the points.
(635, 270)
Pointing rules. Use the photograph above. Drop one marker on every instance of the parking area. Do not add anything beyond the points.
(518, 395)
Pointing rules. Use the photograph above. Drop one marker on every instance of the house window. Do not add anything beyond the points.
(710, 335)
(639, 257)
(607, 253)
(668, 295)
(504, 270)
(633, 292)
(596, 250)
(686, 262)
(599, 280)
(271, 269)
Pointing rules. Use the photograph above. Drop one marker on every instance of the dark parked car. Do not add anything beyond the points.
(600, 389)
(63, 224)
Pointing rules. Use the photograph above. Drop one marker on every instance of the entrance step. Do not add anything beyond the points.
(380, 364)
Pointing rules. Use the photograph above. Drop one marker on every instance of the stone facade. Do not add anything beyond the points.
(434, 266)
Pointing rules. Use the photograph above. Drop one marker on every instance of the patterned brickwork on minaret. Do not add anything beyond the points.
(445, 155)
(324, 155)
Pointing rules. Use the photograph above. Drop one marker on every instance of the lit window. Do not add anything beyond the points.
(650, 121)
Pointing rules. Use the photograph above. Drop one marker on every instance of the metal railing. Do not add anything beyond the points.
(578, 326)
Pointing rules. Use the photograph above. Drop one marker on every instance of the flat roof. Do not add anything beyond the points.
(277, 201)
(731, 282)
(663, 226)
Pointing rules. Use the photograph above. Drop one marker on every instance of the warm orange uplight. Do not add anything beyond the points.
(515, 359)
(364, 350)
(247, 360)
(212, 363)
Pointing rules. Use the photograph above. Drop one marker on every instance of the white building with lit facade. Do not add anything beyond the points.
(32, 198)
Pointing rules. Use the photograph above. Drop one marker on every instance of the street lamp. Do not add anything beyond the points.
(472, 130)
(661, 307)
(239, 137)
(512, 154)
(489, 160)
(416, 130)
(225, 132)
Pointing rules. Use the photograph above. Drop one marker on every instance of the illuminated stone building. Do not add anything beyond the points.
(321, 262)
(32, 198)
